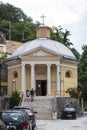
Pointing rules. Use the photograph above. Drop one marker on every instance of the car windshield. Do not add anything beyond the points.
(29, 111)
(12, 116)
(69, 109)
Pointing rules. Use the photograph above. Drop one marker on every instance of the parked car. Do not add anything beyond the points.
(31, 113)
(16, 120)
(68, 113)
(2, 125)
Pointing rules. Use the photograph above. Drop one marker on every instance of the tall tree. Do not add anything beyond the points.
(82, 72)
(76, 53)
(59, 35)
(56, 33)
(23, 31)
(12, 14)
(19, 26)
(66, 40)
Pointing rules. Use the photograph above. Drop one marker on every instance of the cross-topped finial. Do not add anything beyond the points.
(43, 19)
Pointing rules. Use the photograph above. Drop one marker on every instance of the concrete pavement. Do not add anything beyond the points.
(78, 124)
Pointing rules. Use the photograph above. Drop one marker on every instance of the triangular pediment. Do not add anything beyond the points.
(40, 52)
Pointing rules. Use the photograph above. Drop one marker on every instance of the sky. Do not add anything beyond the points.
(70, 14)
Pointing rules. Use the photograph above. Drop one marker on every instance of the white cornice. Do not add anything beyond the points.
(16, 66)
(43, 63)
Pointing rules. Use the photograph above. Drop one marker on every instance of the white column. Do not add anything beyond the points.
(23, 79)
(32, 76)
(48, 80)
(58, 81)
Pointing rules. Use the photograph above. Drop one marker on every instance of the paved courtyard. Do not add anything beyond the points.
(78, 124)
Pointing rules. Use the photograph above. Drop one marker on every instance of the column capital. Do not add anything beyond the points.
(48, 64)
(32, 64)
(57, 64)
(23, 64)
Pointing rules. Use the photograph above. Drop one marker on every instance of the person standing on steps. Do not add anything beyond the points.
(32, 94)
(27, 95)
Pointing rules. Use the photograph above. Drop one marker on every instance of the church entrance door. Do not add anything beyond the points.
(41, 87)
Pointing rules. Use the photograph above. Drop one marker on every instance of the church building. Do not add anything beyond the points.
(45, 65)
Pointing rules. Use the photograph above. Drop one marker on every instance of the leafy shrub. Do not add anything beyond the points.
(74, 92)
(14, 99)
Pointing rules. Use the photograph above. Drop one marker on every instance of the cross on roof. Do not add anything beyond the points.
(43, 19)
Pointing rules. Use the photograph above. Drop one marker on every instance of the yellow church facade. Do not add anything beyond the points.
(45, 65)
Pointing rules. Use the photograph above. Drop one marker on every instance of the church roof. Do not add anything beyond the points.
(43, 41)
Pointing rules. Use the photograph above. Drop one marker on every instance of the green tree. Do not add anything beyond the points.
(12, 14)
(20, 26)
(66, 40)
(74, 92)
(62, 36)
(56, 33)
(82, 72)
(59, 35)
(76, 53)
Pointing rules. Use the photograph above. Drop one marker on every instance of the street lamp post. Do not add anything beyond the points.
(63, 90)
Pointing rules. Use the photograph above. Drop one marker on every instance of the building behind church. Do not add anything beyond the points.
(6, 48)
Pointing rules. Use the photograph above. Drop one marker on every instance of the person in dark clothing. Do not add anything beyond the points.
(32, 94)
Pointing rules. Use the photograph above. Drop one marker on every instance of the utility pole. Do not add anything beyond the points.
(9, 30)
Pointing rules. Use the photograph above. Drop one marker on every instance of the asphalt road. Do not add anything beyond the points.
(78, 124)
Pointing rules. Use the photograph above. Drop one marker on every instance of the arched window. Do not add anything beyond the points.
(15, 74)
(68, 74)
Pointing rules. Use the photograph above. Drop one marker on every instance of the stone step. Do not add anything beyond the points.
(43, 106)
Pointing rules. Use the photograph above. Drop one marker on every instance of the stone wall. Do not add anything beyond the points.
(4, 103)
(68, 102)
(47, 107)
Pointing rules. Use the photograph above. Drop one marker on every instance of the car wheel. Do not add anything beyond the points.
(32, 127)
(74, 117)
(62, 117)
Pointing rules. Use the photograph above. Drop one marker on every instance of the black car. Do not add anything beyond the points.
(16, 120)
(68, 113)
(31, 113)
(2, 125)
